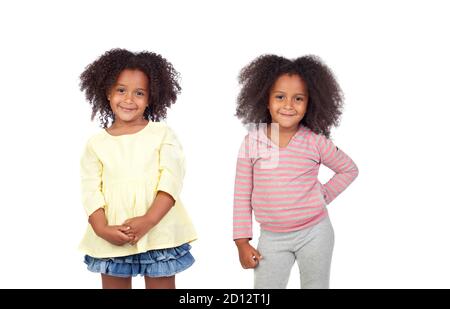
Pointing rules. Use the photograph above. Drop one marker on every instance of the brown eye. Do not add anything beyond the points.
(299, 99)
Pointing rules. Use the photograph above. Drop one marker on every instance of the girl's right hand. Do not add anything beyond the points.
(248, 256)
(115, 234)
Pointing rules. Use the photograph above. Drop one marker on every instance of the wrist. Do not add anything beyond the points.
(242, 242)
(149, 220)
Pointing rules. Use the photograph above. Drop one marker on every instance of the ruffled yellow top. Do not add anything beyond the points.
(122, 174)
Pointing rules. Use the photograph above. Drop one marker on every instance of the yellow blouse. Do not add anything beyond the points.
(122, 174)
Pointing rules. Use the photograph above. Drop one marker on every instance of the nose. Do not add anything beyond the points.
(128, 96)
(288, 104)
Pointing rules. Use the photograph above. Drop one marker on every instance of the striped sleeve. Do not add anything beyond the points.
(345, 169)
(243, 186)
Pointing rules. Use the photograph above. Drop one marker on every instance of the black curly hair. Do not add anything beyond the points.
(325, 98)
(99, 76)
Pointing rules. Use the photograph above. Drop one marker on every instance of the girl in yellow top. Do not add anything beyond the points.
(132, 173)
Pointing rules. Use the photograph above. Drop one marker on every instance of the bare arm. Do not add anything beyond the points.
(139, 226)
(114, 234)
(98, 220)
(160, 207)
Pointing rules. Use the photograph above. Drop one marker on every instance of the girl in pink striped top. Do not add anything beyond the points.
(291, 106)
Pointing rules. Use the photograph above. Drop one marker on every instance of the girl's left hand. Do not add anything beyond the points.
(138, 226)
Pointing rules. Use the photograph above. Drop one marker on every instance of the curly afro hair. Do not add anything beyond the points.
(325, 98)
(99, 76)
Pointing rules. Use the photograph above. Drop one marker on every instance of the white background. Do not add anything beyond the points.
(390, 57)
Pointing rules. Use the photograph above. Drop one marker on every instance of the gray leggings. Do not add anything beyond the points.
(311, 247)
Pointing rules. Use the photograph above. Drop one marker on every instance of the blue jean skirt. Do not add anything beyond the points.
(153, 263)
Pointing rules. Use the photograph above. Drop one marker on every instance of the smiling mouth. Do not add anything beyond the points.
(287, 115)
(127, 109)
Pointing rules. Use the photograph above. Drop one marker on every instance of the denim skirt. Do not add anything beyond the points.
(153, 263)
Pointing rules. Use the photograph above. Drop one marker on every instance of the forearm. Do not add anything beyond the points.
(343, 166)
(242, 209)
(339, 182)
(161, 205)
(98, 220)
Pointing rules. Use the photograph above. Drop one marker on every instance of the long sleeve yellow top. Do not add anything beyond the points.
(122, 174)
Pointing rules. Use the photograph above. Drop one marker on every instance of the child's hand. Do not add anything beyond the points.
(116, 234)
(248, 256)
(138, 227)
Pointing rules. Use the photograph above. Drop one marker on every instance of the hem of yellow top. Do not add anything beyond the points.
(131, 249)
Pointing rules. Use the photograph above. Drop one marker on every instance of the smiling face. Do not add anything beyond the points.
(288, 101)
(128, 97)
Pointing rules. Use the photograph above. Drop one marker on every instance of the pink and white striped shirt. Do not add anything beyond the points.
(280, 185)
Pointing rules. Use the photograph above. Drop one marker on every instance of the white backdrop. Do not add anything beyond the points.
(391, 59)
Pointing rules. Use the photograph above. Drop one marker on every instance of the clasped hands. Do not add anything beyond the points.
(129, 232)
